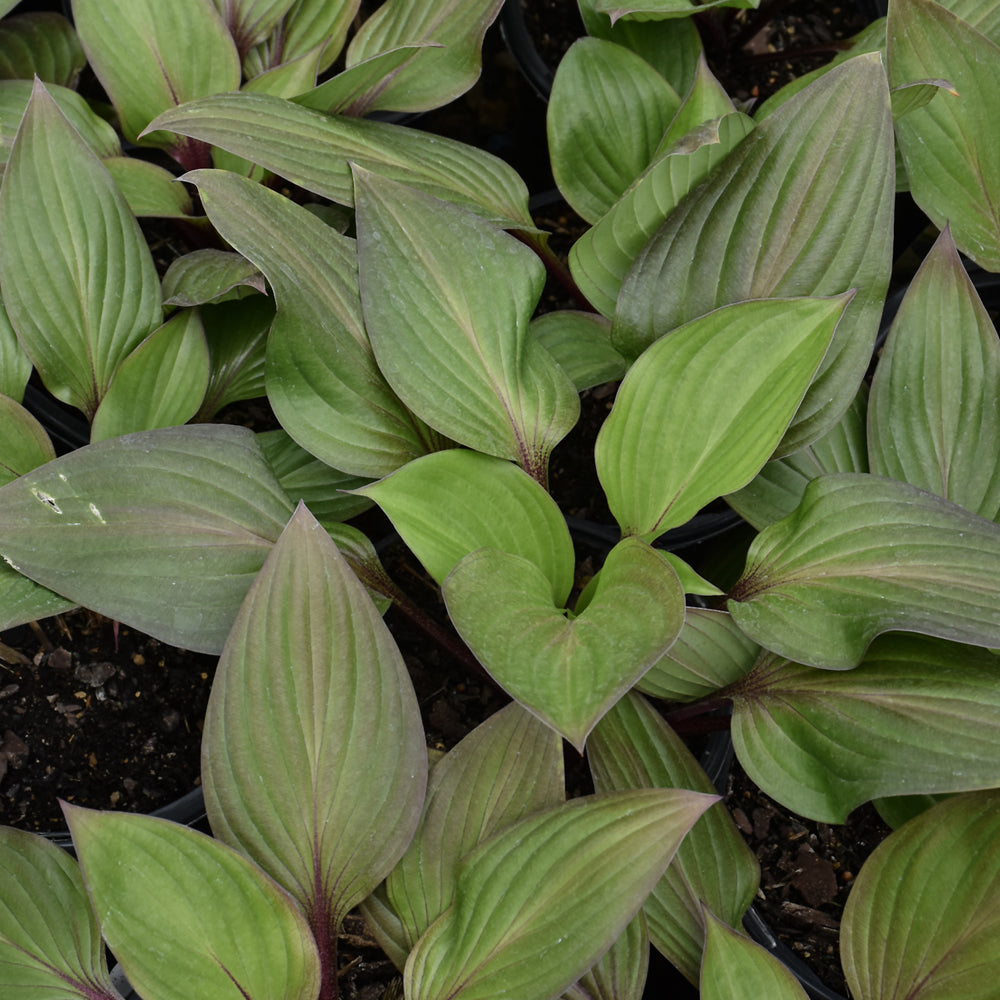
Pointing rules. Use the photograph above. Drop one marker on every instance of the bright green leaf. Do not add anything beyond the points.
(702, 410)
(862, 555)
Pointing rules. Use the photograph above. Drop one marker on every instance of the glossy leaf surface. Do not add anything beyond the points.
(79, 283)
(803, 206)
(210, 901)
(862, 555)
(162, 530)
(313, 743)
(568, 671)
(822, 742)
(702, 410)
(632, 747)
(447, 299)
(923, 917)
(595, 860)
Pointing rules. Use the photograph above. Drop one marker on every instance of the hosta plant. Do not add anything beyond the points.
(737, 266)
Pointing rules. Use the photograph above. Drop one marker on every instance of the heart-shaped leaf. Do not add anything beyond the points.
(43, 44)
(508, 767)
(540, 902)
(179, 910)
(50, 944)
(313, 742)
(79, 283)
(323, 382)
(440, 72)
(187, 43)
(316, 151)
(162, 530)
(863, 555)
(947, 144)
(822, 742)
(702, 410)
(632, 747)
(944, 438)
(447, 299)
(802, 206)
(923, 917)
(434, 503)
(568, 671)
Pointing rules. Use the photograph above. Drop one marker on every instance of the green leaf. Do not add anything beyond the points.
(316, 151)
(79, 283)
(15, 365)
(42, 44)
(801, 207)
(187, 43)
(778, 488)
(162, 530)
(568, 671)
(602, 256)
(22, 600)
(323, 382)
(822, 742)
(50, 944)
(705, 102)
(207, 275)
(436, 75)
(210, 902)
(923, 917)
(447, 299)
(736, 968)
(160, 384)
(632, 747)
(581, 344)
(710, 653)
(313, 742)
(508, 767)
(541, 901)
(149, 189)
(621, 972)
(934, 414)
(250, 22)
(24, 445)
(702, 410)
(864, 555)
(308, 24)
(652, 10)
(435, 503)
(607, 113)
(947, 144)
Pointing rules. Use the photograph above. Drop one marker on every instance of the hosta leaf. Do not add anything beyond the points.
(447, 299)
(947, 144)
(210, 902)
(945, 437)
(307, 24)
(581, 344)
(22, 600)
(607, 114)
(24, 445)
(621, 972)
(78, 280)
(821, 742)
(508, 767)
(207, 275)
(437, 74)
(435, 505)
(569, 672)
(802, 206)
(632, 747)
(316, 151)
(50, 944)
(778, 488)
(652, 10)
(705, 102)
(863, 555)
(160, 384)
(188, 44)
(15, 365)
(736, 968)
(602, 256)
(702, 410)
(41, 44)
(323, 382)
(710, 653)
(903, 936)
(149, 189)
(313, 743)
(162, 530)
(251, 21)
(541, 901)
